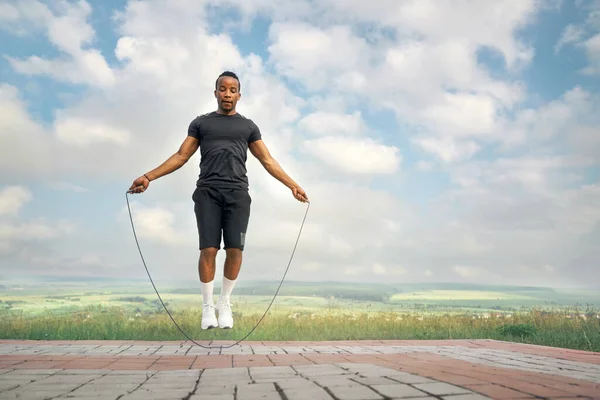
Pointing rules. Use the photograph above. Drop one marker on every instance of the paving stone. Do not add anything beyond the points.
(215, 389)
(473, 396)
(213, 397)
(440, 388)
(184, 372)
(122, 387)
(157, 394)
(410, 379)
(189, 386)
(32, 371)
(118, 379)
(279, 370)
(354, 393)
(99, 396)
(318, 370)
(292, 350)
(237, 371)
(296, 383)
(273, 378)
(256, 387)
(368, 381)
(333, 381)
(95, 394)
(6, 385)
(398, 391)
(20, 380)
(258, 394)
(30, 395)
(123, 372)
(74, 379)
(304, 394)
(82, 371)
(416, 398)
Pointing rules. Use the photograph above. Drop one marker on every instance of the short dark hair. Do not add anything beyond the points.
(231, 74)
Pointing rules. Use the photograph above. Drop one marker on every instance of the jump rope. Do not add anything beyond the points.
(165, 307)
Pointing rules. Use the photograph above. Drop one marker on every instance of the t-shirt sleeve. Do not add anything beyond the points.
(254, 134)
(194, 129)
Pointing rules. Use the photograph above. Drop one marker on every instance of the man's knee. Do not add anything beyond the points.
(233, 253)
(208, 253)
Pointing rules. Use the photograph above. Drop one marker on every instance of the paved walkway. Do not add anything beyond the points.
(344, 370)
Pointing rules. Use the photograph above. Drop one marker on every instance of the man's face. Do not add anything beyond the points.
(227, 93)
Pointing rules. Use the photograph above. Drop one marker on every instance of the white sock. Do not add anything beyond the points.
(207, 291)
(227, 288)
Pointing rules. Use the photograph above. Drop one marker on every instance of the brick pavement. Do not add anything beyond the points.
(449, 369)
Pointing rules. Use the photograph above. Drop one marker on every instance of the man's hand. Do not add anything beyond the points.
(139, 185)
(300, 194)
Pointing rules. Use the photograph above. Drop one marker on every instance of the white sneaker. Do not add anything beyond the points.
(225, 315)
(209, 319)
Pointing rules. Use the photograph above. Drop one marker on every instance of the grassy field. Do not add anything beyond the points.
(543, 316)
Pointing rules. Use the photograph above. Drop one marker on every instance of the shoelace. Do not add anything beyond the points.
(225, 306)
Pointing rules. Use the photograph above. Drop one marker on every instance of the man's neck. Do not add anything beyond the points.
(232, 112)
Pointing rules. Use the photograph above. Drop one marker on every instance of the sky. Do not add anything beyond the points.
(438, 141)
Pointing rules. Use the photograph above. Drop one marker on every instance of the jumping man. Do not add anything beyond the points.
(221, 199)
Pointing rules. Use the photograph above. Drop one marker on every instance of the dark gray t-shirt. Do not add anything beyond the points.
(223, 143)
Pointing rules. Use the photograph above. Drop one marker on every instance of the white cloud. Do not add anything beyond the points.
(26, 231)
(16, 231)
(462, 115)
(68, 186)
(569, 122)
(158, 225)
(592, 49)
(354, 155)
(12, 198)
(468, 272)
(67, 28)
(304, 52)
(425, 166)
(571, 34)
(26, 149)
(8, 12)
(332, 124)
(379, 269)
(79, 132)
(448, 149)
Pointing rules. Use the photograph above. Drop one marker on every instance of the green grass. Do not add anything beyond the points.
(556, 329)
(302, 311)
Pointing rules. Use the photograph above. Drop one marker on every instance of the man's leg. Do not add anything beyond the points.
(236, 214)
(233, 264)
(207, 207)
(206, 270)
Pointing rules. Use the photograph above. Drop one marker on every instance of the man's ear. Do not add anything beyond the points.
(215, 93)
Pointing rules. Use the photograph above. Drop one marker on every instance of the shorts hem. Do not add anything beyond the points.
(233, 247)
(208, 246)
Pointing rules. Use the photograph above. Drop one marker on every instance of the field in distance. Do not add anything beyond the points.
(38, 298)
(304, 311)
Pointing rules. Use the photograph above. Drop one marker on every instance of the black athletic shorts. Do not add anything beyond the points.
(221, 210)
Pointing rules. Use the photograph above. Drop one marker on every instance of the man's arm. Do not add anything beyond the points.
(177, 160)
(173, 163)
(261, 152)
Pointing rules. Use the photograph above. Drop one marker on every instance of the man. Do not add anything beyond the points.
(221, 199)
